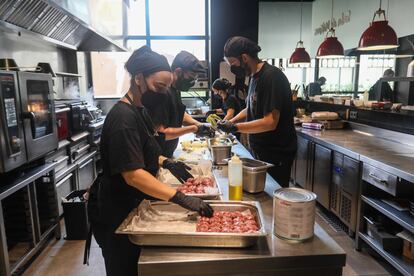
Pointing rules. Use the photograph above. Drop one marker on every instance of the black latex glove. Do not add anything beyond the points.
(193, 204)
(227, 126)
(178, 169)
(205, 131)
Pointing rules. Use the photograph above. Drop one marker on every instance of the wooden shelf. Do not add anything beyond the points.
(405, 219)
(402, 264)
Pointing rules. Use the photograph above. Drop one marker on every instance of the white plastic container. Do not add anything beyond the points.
(235, 170)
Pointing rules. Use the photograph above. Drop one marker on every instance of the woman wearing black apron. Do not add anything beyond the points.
(131, 158)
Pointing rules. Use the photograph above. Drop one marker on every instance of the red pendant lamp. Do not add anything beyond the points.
(330, 47)
(379, 35)
(300, 56)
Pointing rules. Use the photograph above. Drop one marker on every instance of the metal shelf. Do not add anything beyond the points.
(64, 74)
(402, 218)
(403, 265)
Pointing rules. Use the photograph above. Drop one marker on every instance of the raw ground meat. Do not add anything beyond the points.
(228, 222)
(196, 185)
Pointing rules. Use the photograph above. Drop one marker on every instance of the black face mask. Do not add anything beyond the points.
(151, 99)
(183, 84)
(238, 71)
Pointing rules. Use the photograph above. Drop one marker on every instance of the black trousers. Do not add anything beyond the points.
(282, 163)
(121, 256)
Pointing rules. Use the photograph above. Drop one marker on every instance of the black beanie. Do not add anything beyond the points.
(146, 61)
(238, 45)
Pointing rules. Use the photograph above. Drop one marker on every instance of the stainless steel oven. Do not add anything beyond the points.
(36, 95)
(28, 118)
(12, 147)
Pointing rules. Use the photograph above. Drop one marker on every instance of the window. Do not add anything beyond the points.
(132, 45)
(179, 17)
(339, 74)
(170, 48)
(136, 17)
(372, 68)
(173, 26)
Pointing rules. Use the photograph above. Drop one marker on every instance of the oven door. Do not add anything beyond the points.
(12, 147)
(38, 111)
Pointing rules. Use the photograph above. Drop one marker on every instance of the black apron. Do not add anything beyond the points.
(176, 116)
(110, 204)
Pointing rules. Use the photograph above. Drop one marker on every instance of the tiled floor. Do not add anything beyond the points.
(65, 258)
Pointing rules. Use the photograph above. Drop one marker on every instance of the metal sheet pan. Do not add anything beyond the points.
(198, 239)
(176, 184)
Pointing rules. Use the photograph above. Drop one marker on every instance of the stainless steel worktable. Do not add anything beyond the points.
(271, 256)
(390, 151)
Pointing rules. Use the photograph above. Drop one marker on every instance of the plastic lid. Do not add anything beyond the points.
(295, 194)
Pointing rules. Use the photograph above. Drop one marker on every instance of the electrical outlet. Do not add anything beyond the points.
(353, 115)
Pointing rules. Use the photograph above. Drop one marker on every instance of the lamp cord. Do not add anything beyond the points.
(332, 9)
(301, 14)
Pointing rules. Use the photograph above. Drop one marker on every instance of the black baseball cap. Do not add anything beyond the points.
(188, 62)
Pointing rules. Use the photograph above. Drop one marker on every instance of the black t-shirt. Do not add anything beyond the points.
(269, 89)
(231, 102)
(169, 114)
(314, 89)
(127, 143)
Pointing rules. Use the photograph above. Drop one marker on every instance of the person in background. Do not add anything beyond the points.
(131, 157)
(231, 106)
(315, 88)
(216, 102)
(171, 117)
(239, 90)
(268, 117)
(381, 91)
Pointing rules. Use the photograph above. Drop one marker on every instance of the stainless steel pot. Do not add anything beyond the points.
(254, 175)
(220, 150)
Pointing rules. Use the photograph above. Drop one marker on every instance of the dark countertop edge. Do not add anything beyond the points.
(22, 181)
(246, 265)
(365, 159)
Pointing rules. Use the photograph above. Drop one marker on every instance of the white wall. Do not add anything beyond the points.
(400, 16)
(279, 27)
(279, 23)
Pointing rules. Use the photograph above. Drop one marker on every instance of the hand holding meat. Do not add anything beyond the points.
(227, 126)
(193, 204)
(178, 169)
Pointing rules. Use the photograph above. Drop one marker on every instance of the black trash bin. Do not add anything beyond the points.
(76, 217)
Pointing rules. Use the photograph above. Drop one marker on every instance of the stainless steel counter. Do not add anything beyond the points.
(271, 256)
(393, 152)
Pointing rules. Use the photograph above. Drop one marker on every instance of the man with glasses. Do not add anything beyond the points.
(171, 117)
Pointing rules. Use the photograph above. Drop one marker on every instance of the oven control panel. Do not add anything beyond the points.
(9, 114)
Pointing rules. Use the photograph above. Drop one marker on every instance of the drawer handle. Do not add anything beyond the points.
(85, 164)
(64, 180)
(378, 179)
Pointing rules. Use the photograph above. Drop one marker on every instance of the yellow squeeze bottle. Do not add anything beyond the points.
(235, 170)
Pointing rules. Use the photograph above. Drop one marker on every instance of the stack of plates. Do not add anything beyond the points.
(412, 207)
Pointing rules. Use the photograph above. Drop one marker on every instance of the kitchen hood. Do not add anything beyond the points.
(51, 22)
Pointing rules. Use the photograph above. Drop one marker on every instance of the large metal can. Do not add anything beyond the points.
(293, 213)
